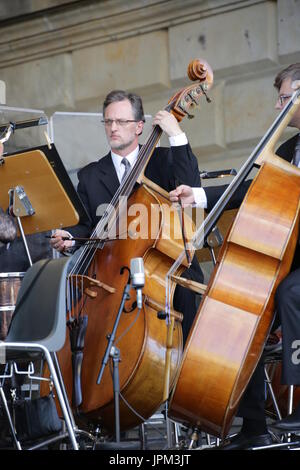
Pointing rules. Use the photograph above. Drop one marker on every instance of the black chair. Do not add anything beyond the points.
(38, 330)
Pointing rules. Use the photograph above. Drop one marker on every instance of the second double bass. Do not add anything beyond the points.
(236, 313)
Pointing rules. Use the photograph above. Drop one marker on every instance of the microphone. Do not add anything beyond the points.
(137, 274)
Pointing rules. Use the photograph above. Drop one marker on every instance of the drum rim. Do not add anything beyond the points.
(11, 274)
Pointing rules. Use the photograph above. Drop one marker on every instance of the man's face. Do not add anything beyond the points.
(285, 94)
(123, 138)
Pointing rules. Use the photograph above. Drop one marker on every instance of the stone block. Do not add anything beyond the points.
(249, 110)
(2, 92)
(206, 129)
(232, 42)
(138, 63)
(288, 30)
(15, 8)
(44, 83)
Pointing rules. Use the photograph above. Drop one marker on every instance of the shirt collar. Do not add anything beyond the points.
(131, 157)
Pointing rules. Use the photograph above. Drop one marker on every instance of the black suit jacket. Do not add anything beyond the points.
(287, 149)
(98, 181)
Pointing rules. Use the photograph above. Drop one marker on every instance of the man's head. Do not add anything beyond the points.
(124, 119)
(283, 84)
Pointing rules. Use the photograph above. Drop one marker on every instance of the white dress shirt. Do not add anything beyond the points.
(200, 197)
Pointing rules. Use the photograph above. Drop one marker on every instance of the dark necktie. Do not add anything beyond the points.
(296, 158)
(126, 163)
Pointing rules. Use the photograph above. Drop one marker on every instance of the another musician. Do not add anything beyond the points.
(254, 430)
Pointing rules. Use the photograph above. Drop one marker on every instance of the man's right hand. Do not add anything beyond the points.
(183, 193)
(57, 241)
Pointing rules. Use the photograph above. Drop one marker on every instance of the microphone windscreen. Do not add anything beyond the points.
(137, 272)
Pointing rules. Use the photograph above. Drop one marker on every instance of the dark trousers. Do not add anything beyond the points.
(287, 303)
(185, 302)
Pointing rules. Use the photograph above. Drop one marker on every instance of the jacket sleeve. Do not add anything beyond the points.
(213, 194)
(185, 166)
(171, 166)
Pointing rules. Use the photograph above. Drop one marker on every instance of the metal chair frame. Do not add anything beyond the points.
(38, 330)
(54, 377)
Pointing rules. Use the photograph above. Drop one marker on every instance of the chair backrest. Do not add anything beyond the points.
(40, 313)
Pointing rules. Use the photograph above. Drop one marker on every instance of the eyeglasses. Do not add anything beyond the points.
(282, 98)
(119, 122)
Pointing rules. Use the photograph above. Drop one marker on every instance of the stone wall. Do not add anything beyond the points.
(2, 92)
(68, 58)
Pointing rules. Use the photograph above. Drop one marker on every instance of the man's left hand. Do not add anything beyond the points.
(167, 122)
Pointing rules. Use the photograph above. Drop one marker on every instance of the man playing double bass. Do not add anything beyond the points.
(123, 120)
(254, 430)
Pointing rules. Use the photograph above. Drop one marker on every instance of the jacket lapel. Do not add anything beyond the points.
(107, 174)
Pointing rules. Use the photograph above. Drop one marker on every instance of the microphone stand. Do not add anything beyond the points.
(114, 352)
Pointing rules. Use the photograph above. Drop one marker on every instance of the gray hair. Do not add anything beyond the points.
(292, 72)
(121, 95)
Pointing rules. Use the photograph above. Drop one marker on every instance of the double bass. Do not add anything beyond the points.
(236, 312)
(146, 342)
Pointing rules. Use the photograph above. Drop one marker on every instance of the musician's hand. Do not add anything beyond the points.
(57, 242)
(184, 194)
(167, 122)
